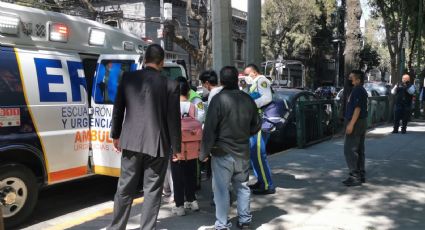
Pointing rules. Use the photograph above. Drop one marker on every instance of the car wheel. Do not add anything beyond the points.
(18, 193)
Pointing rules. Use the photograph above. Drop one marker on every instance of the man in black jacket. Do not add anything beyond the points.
(146, 126)
(231, 119)
(403, 102)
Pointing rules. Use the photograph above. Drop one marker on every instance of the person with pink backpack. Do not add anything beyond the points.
(183, 164)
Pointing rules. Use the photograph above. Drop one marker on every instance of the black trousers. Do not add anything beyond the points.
(184, 180)
(401, 113)
(135, 166)
(354, 149)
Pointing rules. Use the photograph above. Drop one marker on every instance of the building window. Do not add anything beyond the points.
(239, 48)
(168, 37)
(113, 23)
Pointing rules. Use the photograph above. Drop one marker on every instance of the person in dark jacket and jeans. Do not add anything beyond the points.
(355, 131)
(231, 119)
(403, 102)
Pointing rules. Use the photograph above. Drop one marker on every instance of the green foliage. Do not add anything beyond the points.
(393, 14)
(369, 57)
(374, 37)
(289, 27)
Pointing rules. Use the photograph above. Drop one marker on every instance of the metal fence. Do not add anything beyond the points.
(318, 120)
(378, 110)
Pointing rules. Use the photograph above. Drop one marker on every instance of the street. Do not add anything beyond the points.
(69, 197)
(309, 194)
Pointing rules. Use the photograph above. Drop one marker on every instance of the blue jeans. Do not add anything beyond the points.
(226, 169)
(259, 162)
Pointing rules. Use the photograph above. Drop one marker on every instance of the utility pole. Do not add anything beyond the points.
(161, 19)
(253, 48)
(222, 42)
(402, 41)
(420, 21)
(421, 79)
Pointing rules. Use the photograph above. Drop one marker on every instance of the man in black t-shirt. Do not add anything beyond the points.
(355, 132)
(403, 92)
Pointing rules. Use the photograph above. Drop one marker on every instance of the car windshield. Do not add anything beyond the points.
(379, 87)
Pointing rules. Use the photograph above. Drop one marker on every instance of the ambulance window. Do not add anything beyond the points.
(172, 72)
(108, 76)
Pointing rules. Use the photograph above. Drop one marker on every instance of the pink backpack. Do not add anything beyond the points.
(191, 135)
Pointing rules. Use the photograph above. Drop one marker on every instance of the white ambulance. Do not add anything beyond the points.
(58, 81)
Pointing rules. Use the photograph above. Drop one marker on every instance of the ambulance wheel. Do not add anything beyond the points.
(18, 193)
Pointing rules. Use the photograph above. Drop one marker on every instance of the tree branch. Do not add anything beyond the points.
(186, 45)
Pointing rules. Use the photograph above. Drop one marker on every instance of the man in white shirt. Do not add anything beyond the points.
(261, 92)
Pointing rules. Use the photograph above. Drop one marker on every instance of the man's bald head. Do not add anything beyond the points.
(405, 78)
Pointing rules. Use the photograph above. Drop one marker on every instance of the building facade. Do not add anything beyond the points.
(146, 20)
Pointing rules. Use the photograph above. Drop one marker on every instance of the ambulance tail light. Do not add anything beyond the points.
(58, 32)
(9, 24)
(97, 37)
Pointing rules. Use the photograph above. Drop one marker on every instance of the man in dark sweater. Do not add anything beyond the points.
(232, 118)
(355, 132)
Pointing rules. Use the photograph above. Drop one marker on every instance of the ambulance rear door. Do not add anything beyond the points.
(54, 86)
(109, 71)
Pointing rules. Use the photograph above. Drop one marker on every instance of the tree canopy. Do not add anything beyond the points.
(288, 27)
(400, 17)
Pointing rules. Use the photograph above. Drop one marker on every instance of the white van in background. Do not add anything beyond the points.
(58, 80)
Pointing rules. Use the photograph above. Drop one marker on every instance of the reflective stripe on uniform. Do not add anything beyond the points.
(260, 162)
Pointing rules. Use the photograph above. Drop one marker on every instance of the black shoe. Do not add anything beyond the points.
(243, 225)
(254, 186)
(394, 131)
(403, 131)
(352, 181)
(264, 191)
(363, 179)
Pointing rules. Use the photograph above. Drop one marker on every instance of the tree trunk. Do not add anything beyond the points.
(353, 36)
(200, 54)
(352, 46)
(394, 70)
(401, 52)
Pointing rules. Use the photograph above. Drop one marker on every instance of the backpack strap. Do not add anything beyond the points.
(192, 111)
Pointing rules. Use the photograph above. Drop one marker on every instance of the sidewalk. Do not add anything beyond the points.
(310, 194)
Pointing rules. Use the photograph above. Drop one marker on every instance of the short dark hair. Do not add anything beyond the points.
(254, 67)
(229, 77)
(210, 76)
(154, 54)
(359, 74)
(184, 85)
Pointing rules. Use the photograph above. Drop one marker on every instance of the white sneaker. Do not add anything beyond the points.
(179, 211)
(194, 205)
(187, 205)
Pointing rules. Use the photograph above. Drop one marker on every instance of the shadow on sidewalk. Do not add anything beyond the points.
(309, 182)
(261, 216)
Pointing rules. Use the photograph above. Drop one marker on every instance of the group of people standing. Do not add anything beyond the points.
(147, 127)
(147, 124)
